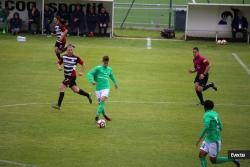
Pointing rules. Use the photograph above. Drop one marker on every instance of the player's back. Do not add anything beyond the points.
(211, 118)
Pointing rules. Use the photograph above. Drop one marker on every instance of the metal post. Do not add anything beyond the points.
(170, 14)
(42, 16)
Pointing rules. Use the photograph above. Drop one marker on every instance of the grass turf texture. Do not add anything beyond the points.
(141, 134)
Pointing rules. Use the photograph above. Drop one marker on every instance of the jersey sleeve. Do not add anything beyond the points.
(112, 77)
(80, 61)
(219, 123)
(205, 128)
(205, 61)
(91, 74)
(60, 61)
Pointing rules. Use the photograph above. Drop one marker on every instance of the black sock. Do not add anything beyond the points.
(83, 93)
(58, 56)
(61, 95)
(200, 96)
(208, 86)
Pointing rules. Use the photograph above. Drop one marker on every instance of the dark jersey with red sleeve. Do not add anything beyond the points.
(60, 29)
(200, 64)
(69, 63)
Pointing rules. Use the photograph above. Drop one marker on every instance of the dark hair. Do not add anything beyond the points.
(105, 58)
(16, 14)
(208, 105)
(196, 48)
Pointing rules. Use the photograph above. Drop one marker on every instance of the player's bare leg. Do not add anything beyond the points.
(76, 89)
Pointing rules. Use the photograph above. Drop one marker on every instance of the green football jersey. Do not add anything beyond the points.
(212, 126)
(101, 74)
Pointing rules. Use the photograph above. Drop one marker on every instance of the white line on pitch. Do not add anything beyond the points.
(16, 163)
(241, 63)
(127, 102)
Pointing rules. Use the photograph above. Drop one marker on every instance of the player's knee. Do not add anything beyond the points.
(199, 88)
(103, 99)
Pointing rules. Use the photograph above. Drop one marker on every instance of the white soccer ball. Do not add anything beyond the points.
(224, 42)
(219, 42)
(101, 123)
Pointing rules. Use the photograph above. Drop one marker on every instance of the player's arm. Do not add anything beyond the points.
(64, 34)
(219, 124)
(208, 66)
(204, 130)
(112, 77)
(192, 70)
(81, 62)
(91, 74)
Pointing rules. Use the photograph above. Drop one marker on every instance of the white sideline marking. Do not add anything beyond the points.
(128, 102)
(241, 63)
(16, 163)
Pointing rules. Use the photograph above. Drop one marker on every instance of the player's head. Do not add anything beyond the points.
(196, 51)
(70, 49)
(105, 61)
(57, 19)
(208, 105)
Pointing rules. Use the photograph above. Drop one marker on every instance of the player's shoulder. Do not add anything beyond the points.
(210, 114)
(109, 68)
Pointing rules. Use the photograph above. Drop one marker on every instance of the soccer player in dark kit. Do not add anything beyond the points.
(61, 34)
(201, 67)
(70, 61)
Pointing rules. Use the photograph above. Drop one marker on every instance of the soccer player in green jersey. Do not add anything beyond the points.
(99, 76)
(211, 145)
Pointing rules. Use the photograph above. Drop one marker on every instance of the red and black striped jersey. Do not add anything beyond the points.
(60, 29)
(69, 63)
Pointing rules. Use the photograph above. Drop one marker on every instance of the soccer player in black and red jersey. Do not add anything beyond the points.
(70, 61)
(201, 67)
(61, 34)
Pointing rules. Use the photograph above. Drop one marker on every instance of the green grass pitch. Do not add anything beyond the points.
(155, 118)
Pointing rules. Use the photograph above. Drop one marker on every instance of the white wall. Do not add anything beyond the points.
(21, 6)
(202, 20)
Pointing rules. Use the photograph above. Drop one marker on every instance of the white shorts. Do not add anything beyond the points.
(212, 149)
(102, 93)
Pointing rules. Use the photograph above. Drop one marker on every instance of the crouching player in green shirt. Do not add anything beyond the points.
(99, 76)
(211, 145)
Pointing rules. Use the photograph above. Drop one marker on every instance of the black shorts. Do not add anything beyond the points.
(202, 82)
(60, 45)
(69, 82)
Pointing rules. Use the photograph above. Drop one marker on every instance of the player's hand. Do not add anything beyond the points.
(191, 71)
(201, 76)
(80, 73)
(198, 142)
(93, 83)
(59, 68)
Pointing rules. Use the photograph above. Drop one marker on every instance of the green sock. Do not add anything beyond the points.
(103, 112)
(220, 160)
(203, 161)
(100, 108)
